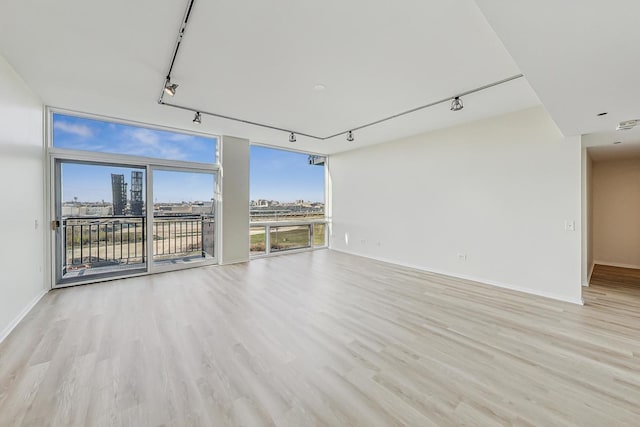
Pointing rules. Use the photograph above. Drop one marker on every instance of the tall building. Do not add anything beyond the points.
(119, 193)
(136, 193)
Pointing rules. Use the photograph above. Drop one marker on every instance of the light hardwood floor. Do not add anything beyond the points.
(320, 338)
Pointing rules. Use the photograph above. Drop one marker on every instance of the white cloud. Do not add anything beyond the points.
(148, 143)
(180, 137)
(144, 136)
(79, 130)
(193, 142)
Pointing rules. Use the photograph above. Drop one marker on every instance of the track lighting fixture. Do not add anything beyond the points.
(456, 101)
(170, 88)
(197, 119)
(456, 104)
(350, 137)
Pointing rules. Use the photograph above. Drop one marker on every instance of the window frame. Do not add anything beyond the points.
(55, 155)
(268, 224)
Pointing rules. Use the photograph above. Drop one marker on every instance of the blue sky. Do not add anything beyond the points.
(285, 176)
(275, 174)
(92, 183)
(93, 135)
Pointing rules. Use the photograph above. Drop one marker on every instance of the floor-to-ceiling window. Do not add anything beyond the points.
(287, 207)
(128, 199)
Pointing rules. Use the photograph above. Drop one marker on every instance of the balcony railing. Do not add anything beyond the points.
(278, 236)
(119, 242)
(274, 214)
(182, 236)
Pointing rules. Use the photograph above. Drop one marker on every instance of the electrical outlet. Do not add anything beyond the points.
(462, 257)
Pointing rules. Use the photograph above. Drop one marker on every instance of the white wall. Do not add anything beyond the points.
(616, 213)
(587, 217)
(235, 199)
(498, 191)
(590, 262)
(21, 192)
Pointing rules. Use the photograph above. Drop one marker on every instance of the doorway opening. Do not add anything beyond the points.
(612, 216)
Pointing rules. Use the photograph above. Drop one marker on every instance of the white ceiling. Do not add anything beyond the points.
(260, 61)
(580, 56)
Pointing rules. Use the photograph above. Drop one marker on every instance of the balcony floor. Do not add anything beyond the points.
(79, 273)
(320, 338)
(115, 270)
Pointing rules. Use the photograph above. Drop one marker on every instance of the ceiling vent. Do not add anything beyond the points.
(628, 124)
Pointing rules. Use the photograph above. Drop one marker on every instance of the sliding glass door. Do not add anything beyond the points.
(107, 226)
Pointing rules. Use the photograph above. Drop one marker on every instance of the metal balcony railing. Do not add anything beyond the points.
(182, 236)
(120, 241)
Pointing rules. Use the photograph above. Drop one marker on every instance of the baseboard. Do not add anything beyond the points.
(11, 326)
(550, 295)
(616, 264)
(234, 261)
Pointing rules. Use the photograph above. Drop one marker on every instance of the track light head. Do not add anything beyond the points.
(170, 88)
(292, 137)
(456, 104)
(197, 119)
(350, 137)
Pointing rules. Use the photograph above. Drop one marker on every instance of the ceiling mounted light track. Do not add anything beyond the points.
(456, 101)
(169, 88)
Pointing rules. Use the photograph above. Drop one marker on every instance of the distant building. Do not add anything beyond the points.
(119, 193)
(204, 208)
(83, 210)
(136, 203)
(173, 208)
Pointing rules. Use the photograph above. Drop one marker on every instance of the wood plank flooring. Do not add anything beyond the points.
(615, 277)
(321, 339)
